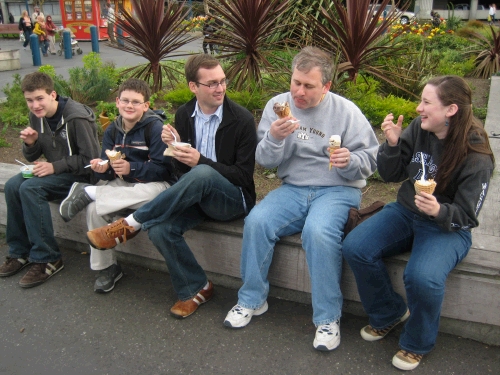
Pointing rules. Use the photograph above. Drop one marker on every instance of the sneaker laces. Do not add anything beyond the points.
(119, 228)
(328, 329)
(411, 356)
(36, 269)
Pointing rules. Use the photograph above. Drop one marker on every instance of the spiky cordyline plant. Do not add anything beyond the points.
(248, 36)
(155, 33)
(356, 34)
(488, 58)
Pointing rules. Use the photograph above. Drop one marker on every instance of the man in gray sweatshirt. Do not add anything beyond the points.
(314, 198)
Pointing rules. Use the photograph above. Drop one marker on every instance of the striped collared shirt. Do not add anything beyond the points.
(206, 126)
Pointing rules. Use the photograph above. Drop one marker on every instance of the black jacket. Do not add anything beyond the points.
(235, 144)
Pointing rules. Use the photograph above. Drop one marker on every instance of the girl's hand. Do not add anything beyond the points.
(391, 130)
(427, 203)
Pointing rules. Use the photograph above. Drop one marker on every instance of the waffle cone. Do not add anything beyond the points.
(425, 188)
(114, 155)
(282, 109)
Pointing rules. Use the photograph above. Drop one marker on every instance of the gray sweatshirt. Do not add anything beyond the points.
(303, 158)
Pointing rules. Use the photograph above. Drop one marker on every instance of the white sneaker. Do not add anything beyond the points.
(239, 317)
(327, 336)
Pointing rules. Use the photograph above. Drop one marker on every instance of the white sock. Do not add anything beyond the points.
(206, 286)
(132, 222)
(91, 191)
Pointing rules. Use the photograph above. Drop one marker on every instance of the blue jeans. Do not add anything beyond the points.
(434, 253)
(320, 213)
(202, 192)
(44, 45)
(29, 223)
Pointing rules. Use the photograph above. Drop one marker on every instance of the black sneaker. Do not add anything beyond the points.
(107, 278)
(75, 202)
(11, 266)
(40, 273)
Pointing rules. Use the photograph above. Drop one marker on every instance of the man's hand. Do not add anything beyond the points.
(187, 155)
(29, 136)
(282, 128)
(340, 158)
(391, 130)
(121, 167)
(43, 168)
(166, 134)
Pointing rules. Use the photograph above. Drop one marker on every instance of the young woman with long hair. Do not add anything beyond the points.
(445, 143)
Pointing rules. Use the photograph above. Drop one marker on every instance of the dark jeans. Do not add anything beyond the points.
(29, 222)
(27, 35)
(202, 192)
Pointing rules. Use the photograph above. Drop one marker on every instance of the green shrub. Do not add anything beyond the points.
(375, 106)
(4, 143)
(179, 96)
(14, 112)
(93, 82)
(250, 100)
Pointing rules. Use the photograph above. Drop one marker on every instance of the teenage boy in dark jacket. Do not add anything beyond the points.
(217, 181)
(65, 133)
(139, 176)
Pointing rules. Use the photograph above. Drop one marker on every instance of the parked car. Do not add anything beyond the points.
(404, 17)
(467, 7)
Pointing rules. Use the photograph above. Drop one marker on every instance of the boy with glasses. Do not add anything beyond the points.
(65, 134)
(131, 181)
(216, 181)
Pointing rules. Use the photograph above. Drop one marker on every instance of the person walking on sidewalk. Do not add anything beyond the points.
(445, 143)
(26, 27)
(51, 34)
(65, 133)
(41, 31)
(312, 199)
(216, 169)
(139, 176)
(111, 23)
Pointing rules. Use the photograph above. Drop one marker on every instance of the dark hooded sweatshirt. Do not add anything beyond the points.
(464, 195)
(72, 144)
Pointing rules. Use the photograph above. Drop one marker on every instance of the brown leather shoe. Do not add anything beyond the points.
(110, 235)
(40, 273)
(182, 309)
(11, 266)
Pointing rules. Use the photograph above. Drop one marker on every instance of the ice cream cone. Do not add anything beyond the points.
(282, 109)
(335, 142)
(113, 156)
(427, 186)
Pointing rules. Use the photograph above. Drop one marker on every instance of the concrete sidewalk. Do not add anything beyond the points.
(108, 54)
(63, 327)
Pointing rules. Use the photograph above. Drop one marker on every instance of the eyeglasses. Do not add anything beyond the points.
(214, 85)
(127, 102)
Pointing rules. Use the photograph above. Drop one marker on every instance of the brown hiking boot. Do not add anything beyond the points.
(11, 266)
(110, 235)
(405, 360)
(40, 273)
(373, 334)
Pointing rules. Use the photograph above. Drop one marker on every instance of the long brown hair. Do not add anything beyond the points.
(462, 127)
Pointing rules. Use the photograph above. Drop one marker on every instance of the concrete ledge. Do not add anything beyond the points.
(471, 303)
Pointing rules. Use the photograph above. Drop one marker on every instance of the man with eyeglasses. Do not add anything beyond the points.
(139, 174)
(216, 181)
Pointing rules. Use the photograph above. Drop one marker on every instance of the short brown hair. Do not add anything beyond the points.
(37, 81)
(194, 63)
(137, 85)
(313, 57)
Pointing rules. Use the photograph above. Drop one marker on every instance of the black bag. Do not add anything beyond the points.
(356, 217)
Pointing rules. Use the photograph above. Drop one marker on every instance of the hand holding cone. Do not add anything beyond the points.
(113, 156)
(335, 143)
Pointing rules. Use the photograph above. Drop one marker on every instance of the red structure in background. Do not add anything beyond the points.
(79, 15)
